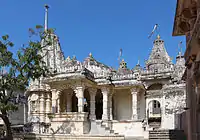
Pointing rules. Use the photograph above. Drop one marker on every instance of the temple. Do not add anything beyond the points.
(90, 98)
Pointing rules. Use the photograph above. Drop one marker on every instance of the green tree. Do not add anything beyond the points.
(27, 65)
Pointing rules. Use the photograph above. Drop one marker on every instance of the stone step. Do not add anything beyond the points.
(166, 135)
(105, 126)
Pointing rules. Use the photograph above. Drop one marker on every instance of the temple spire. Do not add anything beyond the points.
(46, 17)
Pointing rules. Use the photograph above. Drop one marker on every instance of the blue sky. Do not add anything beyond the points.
(101, 27)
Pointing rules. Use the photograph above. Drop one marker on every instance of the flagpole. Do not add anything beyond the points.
(120, 55)
(155, 29)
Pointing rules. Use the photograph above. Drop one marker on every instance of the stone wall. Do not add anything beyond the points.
(128, 128)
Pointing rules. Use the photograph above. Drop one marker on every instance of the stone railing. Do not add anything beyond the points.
(70, 69)
(157, 71)
(75, 69)
(101, 75)
(69, 116)
(123, 77)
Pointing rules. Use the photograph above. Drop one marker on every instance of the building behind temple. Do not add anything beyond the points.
(91, 98)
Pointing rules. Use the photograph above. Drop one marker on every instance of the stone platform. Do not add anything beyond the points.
(68, 137)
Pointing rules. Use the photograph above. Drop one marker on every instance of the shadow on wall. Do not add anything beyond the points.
(181, 123)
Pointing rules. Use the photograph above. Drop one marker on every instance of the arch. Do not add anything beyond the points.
(74, 103)
(155, 86)
(87, 101)
(68, 101)
(99, 104)
(154, 103)
(154, 114)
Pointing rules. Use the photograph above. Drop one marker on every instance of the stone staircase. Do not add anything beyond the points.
(166, 135)
(100, 127)
(155, 125)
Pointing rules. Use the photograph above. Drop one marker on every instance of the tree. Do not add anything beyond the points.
(17, 71)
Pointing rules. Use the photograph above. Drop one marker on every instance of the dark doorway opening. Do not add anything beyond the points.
(99, 105)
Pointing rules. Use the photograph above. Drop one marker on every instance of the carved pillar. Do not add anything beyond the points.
(92, 92)
(80, 95)
(105, 92)
(55, 102)
(48, 103)
(42, 107)
(58, 103)
(110, 105)
(48, 106)
(69, 102)
(134, 92)
(29, 105)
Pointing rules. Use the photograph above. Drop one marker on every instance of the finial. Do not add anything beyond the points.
(46, 17)
(138, 63)
(68, 58)
(74, 57)
(123, 64)
(158, 36)
(90, 55)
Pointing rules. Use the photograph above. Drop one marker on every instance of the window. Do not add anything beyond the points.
(156, 104)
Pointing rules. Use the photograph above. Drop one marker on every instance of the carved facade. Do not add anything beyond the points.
(187, 22)
(92, 98)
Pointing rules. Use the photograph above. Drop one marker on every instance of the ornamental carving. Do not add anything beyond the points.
(34, 97)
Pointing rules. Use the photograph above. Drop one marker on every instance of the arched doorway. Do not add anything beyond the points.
(74, 103)
(99, 105)
(87, 102)
(154, 114)
(68, 101)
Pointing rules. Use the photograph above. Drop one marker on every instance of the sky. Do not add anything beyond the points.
(101, 27)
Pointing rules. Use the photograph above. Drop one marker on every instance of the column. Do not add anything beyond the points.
(29, 106)
(42, 108)
(80, 95)
(110, 105)
(55, 102)
(48, 103)
(58, 103)
(69, 102)
(134, 92)
(105, 92)
(48, 106)
(92, 92)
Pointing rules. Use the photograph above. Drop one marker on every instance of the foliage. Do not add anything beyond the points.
(16, 72)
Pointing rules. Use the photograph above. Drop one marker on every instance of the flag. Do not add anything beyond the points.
(154, 29)
(180, 46)
(120, 54)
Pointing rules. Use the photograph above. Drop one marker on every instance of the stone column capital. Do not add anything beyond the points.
(56, 93)
(92, 91)
(105, 90)
(79, 90)
(134, 90)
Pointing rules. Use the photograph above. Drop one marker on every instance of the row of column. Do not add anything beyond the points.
(107, 102)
